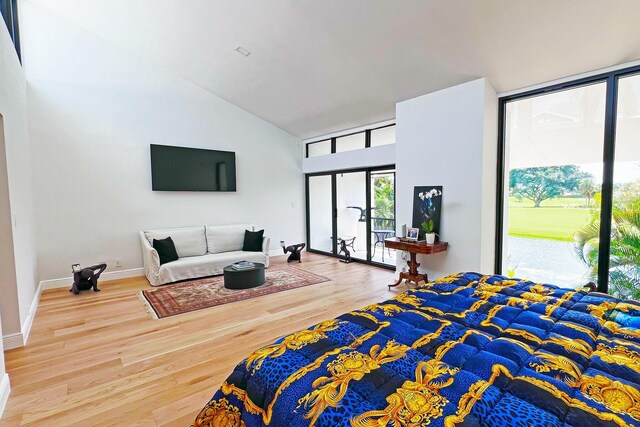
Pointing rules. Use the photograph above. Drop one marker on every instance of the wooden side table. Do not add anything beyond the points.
(414, 248)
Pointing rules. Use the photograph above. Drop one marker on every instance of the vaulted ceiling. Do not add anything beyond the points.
(318, 66)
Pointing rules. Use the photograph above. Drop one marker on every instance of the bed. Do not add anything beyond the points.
(466, 350)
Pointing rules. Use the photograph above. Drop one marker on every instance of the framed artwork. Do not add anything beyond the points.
(427, 206)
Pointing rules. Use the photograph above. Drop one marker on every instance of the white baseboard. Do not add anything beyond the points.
(11, 341)
(66, 282)
(19, 339)
(5, 389)
(28, 322)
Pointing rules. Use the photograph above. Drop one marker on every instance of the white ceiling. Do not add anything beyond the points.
(325, 65)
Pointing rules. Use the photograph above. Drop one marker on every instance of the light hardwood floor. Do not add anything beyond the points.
(98, 359)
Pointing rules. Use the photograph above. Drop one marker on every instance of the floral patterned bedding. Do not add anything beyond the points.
(466, 350)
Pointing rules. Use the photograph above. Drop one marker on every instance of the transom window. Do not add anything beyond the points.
(373, 137)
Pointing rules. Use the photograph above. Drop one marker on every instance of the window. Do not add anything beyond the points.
(351, 142)
(319, 148)
(624, 253)
(383, 136)
(375, 137)
(569, 184)
(555, 149)
(9, 10)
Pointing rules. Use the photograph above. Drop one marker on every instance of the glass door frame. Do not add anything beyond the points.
(608, 156)
(334, 210)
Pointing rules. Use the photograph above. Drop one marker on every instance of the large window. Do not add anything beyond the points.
(569, 191)
(624, 255)
(555, 148)
(9, 11)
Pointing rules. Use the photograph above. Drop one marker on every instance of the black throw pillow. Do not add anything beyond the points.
(166, 250)
(253, 241)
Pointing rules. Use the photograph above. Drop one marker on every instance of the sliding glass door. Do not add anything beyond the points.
(320, 214)
(351, 210)
(354, 207)
(383, 216)
(569, 191)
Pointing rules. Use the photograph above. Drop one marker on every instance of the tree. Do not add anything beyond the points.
(383, 197)
(587, 188)
(624, 259)
(547, 182)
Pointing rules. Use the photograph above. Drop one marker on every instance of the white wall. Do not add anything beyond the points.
(9, 302)
(5, 387)
(7, 263)
(449, 138)
(95, 108)
(19, 281)
(489, 179)
(363, 158)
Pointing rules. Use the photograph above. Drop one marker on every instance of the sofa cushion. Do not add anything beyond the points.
(253, 241)
(166, 250)
(206, 265)
(189, 241)
(226, 238)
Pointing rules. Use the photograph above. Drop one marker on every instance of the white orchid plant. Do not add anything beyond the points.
(429, 194)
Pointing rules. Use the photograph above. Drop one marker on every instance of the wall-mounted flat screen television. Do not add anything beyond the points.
(192, 169)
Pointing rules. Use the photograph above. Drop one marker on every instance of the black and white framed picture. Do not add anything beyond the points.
(427, 206)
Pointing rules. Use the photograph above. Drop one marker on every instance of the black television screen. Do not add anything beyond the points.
(192, 169)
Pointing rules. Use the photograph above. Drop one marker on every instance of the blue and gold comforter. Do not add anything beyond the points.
(466, 350)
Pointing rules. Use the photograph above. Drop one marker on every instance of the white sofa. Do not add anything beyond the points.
(202, 251)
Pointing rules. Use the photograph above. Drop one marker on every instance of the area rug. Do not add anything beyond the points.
(192, 295)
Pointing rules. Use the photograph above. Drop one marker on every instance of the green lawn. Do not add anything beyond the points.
(559, 202)
(555, 219)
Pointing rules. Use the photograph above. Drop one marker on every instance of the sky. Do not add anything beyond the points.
(623, 172)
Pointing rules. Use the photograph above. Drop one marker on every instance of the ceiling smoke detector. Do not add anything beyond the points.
(242, 51)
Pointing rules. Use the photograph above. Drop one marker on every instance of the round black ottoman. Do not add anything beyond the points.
(244, 279)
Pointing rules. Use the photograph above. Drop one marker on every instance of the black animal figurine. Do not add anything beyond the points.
(87, 278)
(347, 254)
(363, 213)
(295, 251)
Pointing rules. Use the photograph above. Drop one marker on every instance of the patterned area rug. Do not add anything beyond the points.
(192, 295)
